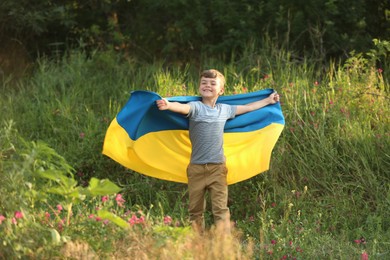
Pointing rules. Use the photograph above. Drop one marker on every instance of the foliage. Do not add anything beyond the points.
(31, 174)
(177, 30)
(326, 194)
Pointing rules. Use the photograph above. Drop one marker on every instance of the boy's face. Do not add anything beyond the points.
(210, 87)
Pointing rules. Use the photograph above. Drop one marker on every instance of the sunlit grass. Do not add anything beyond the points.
(326, 195)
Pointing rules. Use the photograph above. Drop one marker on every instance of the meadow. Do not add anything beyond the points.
(326, 195)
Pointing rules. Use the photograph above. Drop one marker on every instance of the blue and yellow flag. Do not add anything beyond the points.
(156, 143)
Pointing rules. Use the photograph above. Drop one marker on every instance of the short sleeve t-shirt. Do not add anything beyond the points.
(206, 125)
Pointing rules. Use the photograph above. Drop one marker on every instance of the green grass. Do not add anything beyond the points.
(327, 188)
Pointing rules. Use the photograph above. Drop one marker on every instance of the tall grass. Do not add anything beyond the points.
(326, 195)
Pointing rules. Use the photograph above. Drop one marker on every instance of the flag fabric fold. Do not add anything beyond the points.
(156, 143)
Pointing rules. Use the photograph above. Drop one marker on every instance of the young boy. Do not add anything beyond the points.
(207, 169)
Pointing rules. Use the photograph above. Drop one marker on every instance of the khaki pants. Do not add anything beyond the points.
(212, 178)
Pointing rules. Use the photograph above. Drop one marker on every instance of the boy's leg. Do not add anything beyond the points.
(196, 192)
(217, 184)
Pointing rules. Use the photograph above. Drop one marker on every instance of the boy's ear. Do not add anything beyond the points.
(222, 91)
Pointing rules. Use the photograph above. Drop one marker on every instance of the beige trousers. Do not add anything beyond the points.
(210, 178)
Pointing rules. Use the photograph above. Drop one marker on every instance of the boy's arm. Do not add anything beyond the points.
(177, 107)
(271, 99)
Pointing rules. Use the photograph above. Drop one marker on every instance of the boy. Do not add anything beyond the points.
(207, 169)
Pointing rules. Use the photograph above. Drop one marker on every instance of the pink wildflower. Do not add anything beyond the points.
(106, 221)
(331, 102)
(18, 214)
(380, 70)
(13, 220)
(91, 216)
(82, 135)
(61, 224)
(59, 208)
(167, 220)
(273, 204)
(47, 216)
(362, 240)
(273, 242)
(98, 219)
(133, 220)
(104, 199)
(2, 218)
(119, 200)
(364, 256)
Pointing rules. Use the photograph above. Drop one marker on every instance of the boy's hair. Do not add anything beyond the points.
(214, 74)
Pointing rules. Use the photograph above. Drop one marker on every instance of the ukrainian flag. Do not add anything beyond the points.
(156, 143)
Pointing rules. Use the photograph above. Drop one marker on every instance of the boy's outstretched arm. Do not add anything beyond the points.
(177, 107)
(271, 99)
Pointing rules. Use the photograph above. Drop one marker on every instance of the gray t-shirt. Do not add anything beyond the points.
(206, 127)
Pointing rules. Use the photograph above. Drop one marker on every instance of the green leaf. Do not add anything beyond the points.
(102, 187)
(55, 236)
(113, 218)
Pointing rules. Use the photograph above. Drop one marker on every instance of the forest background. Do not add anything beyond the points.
(67, 68)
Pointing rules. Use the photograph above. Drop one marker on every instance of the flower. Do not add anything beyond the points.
(104, 198)
(119, 200)
(362, 240)
(82, 135)
(364, 256)
(167, 220)
(273, 241)
(18, 214)
(14, 221)
(59, 207)
(2, 218)
(135, 220)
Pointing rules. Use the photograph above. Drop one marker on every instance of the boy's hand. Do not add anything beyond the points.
(162, 104)
(274, 98)
(177, 107)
